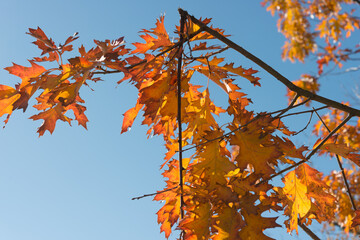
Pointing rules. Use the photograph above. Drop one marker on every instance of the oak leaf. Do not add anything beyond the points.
(8, 96)
(296, 192)
(211, 165)
(50, 117)
(79, 113)
(342, 150)
(198, 222)
(255, 226)
(228, 222)
(129, 117)
(26, 73)
(153, 43)
(256, 148)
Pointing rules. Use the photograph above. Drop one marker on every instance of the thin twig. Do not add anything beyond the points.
(289, 107)
(152, 194)
(341, 167)
(192, 59)
(273, 72)
(306, 125)
(307, 111)
(311, 153)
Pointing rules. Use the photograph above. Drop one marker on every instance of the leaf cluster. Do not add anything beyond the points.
(222, 190)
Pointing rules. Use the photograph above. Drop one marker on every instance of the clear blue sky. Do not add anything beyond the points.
(78, 184)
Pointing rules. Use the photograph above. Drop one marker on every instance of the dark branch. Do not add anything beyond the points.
(180, 54)
(273, 72)
(305, 126)
(289, 107)
(307, 111)
(341, 167)
(308, 231)
(311, 153)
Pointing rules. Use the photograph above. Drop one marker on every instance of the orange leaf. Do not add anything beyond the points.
(199, 221)
(342, 150)
(50, 117)
(129, 117)
(255, 148)
(255, 226)
(228, 229)
(296, 192)
(26, 73)
(152, 43)
(211, 164)
(8, 96)
(79, 113)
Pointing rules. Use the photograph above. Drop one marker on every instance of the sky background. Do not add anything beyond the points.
(77, 184)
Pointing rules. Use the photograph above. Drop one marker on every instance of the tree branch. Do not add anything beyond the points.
(273, 72)
(180, 53)
(311, 153)
(308, 231)
(341, 167)
(289, 107)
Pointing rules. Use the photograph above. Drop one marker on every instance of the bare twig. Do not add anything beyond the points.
(289, 107)
(192, 59)
(307, 111)
(341, 167)
(152, 194)
(306, 125)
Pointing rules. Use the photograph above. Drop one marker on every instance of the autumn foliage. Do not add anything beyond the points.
(222, 188)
